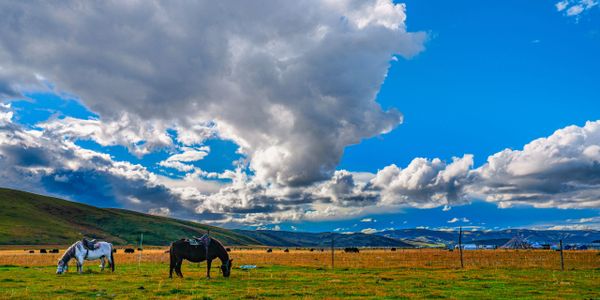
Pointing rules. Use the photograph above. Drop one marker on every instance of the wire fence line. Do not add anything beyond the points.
(366, 258)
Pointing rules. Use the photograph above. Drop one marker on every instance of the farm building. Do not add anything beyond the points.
(517, 242)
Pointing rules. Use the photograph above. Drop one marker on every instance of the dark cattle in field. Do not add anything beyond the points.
(269, 250)
(54, 251)
(322, 250)
(140, 249)
(31, 251)
(129, 250)
(312, 249)
(43, 251)
(114, 250)
(393, 249)
(351, 250)
(228, 249)
(286, 250)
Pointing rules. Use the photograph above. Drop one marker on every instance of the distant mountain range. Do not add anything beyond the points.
(493, 237)
(308, 239)
(31, 219)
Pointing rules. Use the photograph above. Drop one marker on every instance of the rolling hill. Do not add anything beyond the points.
(31, 219)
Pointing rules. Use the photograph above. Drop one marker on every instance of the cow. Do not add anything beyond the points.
(54, 251)
(393, 249)
(269, 250)
(43, 251)
(286, 250)
(351, 250)
(129, 250)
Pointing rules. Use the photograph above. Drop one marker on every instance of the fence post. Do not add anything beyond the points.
(460, 248)
(562, 259)
(141, 248)
(332, 252)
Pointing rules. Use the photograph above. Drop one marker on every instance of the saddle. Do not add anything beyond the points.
(89, 244)
(200, 241)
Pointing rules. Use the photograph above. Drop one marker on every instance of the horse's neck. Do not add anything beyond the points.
(71, 252)
(221, 253)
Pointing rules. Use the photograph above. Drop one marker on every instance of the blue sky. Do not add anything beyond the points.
(489, 76)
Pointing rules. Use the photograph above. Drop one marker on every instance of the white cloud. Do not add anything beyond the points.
(5, 113)
(562, 5)
(178, 161)
(368, 220)
(562, 170)
(589, 220)
(575, 7)
(160, 211)
(424, 183)
(463, 220)
(369, 231)
(570, 227)
(139, 136)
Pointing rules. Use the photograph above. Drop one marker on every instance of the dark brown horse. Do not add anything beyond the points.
(182, 249)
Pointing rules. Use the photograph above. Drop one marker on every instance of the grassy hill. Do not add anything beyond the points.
(30, 219)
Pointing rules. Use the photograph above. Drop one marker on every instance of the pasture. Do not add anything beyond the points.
(302, 274)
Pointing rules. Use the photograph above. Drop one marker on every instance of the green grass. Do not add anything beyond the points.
(30, 219)
(150, 281)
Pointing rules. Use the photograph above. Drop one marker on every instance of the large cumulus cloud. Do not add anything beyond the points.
(292, 83)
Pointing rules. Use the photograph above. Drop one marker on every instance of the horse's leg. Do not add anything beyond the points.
(79, 265)
(208, 263)
(178, 267)
(102, 263)
(171, 264)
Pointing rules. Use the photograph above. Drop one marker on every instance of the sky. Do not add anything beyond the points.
(341, 116)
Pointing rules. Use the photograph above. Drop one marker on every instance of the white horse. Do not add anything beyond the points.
(102, 251)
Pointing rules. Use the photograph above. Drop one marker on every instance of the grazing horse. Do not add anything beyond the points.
(78, 251)
(198, 250)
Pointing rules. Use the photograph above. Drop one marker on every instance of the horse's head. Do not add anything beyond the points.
(226, 268)
(61, 267)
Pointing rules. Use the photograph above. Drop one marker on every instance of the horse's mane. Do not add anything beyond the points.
(69, 253)
(218, 243)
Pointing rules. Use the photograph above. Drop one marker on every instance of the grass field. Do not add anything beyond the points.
(301, 274)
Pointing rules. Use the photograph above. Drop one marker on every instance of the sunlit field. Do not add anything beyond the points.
(421, 273)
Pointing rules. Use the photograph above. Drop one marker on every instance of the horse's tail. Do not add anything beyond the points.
(112, 258)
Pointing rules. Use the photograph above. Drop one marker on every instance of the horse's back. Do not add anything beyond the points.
(183, 249)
